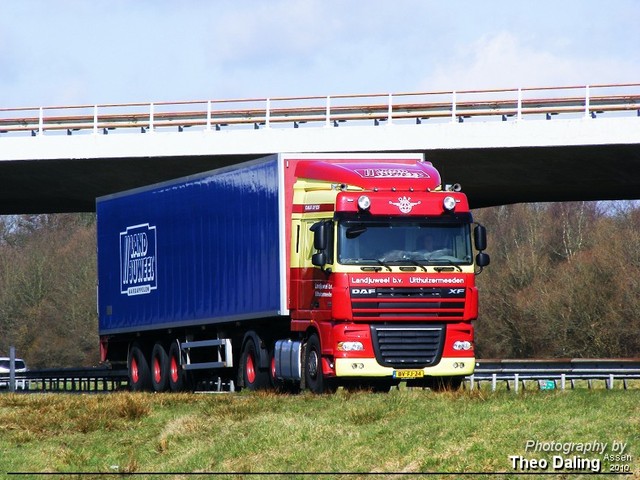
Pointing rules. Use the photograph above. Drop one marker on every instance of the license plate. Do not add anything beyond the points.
(408, 373)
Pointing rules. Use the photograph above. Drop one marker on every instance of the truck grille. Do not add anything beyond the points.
(407, 346)
(402, 303)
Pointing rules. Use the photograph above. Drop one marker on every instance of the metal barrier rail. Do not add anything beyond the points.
(513, 373)
(451, 106)
(551, 374)
(70, 380)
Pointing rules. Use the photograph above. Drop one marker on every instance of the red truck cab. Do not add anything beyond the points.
(382, 279)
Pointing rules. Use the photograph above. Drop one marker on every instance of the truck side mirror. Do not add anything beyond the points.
(482, 259)
(480, 237)
(322, 233)
(319, 259)
(319, 230)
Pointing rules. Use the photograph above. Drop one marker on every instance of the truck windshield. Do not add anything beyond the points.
(403, 242)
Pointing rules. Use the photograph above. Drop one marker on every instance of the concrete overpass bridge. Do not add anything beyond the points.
(503, 146)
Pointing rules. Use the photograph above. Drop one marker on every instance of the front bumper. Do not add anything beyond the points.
(369, 367)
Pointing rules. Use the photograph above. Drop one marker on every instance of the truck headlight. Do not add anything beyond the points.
(449, 203)
(460, 345)
(350, 346)
(364, 202)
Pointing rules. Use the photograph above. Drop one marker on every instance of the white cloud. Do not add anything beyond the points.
(503, 60)
(79, 51)
(262, 31)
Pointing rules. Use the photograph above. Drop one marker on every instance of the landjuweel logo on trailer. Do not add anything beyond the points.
(138, 260)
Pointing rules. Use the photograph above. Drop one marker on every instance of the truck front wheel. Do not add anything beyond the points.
(314, 378)
(139, 372)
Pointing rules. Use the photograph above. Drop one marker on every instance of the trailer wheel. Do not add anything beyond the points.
(314, 377)
(177, 376)
(139, 373)
(159, 368)
(254, 378)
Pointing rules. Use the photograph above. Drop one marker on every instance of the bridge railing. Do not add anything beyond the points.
(328, 111)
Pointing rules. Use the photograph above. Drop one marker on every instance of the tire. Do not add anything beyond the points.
(177, 376)
(139, 372)
(314, 378)
(253, 377)
(159, 368)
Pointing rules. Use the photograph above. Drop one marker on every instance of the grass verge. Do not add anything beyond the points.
(403, 432)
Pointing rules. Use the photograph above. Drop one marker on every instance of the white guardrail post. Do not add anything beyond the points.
(586, 101)
(208, 126)
(267, 115)
(453, 106)
(41, 121)
(95, 119)
(151, 113)
(328, 112)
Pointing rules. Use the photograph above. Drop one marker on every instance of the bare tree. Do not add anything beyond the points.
(564, 281)
(47, 303)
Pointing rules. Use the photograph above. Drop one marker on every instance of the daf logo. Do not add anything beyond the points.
(363, 291)
(456, 291)
(404, 204)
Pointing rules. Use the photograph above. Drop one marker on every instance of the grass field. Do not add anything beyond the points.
(247, 435)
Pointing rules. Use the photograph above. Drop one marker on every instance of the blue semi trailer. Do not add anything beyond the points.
(178, 260)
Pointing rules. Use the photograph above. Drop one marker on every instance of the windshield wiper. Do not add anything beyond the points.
(380, 262)
(416, 263)
(448, 262)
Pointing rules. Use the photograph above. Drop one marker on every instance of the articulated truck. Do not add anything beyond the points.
(291, 272)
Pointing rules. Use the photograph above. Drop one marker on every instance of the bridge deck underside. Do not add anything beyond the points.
(489, 176)
(543, 174)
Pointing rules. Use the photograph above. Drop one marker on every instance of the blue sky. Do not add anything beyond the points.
(64, 52)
